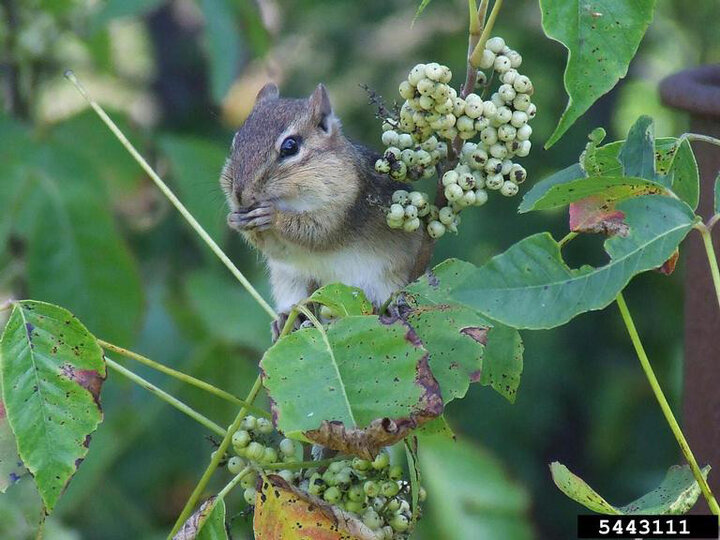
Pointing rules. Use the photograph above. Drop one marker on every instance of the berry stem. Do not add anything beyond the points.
(215, 461)
(566, 239)
(231, 485)
(304, 464)
(711, 257)
(179, 405)
(70, 76)
(664, 406)
(189, 379)
(697, 137)
(476, 54)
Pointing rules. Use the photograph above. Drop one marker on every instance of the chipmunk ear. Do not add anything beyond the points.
(321, 109)
(269, 91)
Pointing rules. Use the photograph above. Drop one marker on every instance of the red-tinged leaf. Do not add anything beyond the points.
(669, 266)
(283, 511)
(597, 215)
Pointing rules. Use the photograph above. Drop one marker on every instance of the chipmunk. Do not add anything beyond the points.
(310, 200)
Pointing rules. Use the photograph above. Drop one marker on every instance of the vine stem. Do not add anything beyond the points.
(476, 54)
(697, 137)
(179, 405)
(711, 257)
(567, 238)
(231, 485)
(665, 406)
(70, 76)
(214, 461)
(189, 379)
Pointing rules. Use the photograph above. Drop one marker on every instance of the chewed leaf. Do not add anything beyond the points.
(668, 267)
(342, 300)
(601, 39)
(52, 371)
(207, 523)
(575, 487)
(637, 155)
(677, 494)
(11, 467)
(370, 378)
(531, 286)
(502, 356)
(283, 511)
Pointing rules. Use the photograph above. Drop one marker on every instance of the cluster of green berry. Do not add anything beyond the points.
(433, 110)
(372, 490)
(255, 443)
(408, 208)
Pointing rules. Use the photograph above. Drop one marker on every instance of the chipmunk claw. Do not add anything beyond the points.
(252, 218)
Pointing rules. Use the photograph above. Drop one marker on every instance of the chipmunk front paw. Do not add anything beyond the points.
(252, 218)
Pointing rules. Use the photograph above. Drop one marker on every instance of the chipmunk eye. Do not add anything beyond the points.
(289, 147)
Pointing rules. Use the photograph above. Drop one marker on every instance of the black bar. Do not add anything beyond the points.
(638, 526)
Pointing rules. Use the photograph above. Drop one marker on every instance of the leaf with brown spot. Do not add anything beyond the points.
(283, 511)
(355, 386)
(668, 266)
(597, 215)
(207, 523)
(52, 369)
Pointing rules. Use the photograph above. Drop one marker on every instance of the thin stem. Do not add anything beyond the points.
(304, 464)
(231, 485)
(215, 460)
(477, 52)
(567, 238)
(179, 405)
(171, 197)
(664, 406)
(189, 379)
(711, 257)
(697, 137)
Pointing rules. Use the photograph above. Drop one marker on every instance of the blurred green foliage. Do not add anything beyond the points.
(81, 226)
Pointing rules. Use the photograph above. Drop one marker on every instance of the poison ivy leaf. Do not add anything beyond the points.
(370, 379)
(76, 256)
(637, 155)
(677, 493)
(224, 48)
(539, 190)
(52, 370)
(11, 467)
(598, 216)
(608, 188)
(601, 38)
(342, 300)
(227, 311)
(207, 523)
(502, 361)
(455, 336)
(195, 166)
(530, 286)
(283, 511)
(470, 495)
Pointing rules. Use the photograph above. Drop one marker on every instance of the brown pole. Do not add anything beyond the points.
(697, 91)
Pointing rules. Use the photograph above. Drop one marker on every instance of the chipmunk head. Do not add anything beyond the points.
(289, 152)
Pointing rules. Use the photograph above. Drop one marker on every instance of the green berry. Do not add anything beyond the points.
(453, 192)
(249, 423)
(524, 149)
(494, 181)
(466, 181)
(316, 485)
(507, 93)
(371, 488)
(254, 451)
(406, 90)
(515, 58)
(416, 74)
(397, 211)
(372, 519)
(287, 447)
(495, 44)
(289, 459)
(355, 507)
(398, 170)
(489, 136)
(382, 166)
(450, 177)
(481, 197)
(287, 475)
(519, 119)
(269, 455)
(389, 488)
(395, 223)
(390, 138)
(332, 495)
(235, 464)
(522, 102)
(498, 151)
(487, 60)
(509, 189)
(356, 493)
(400, 197)
(502, 64)
(250, 495)
(522, 85)
(392, 154)
(393, 505)
(422, 494)
(411, 211)
(412, 224)
(264, 426)
(408, 156)
(399, 523)
(509, 76)
(446, 215)
(524, 132)
(517, 174)
(343, 478)
(489, 109)
(360, 464)
(381, 461)
(395, 472)
(531, 110)
(241, 439)
(506, 132)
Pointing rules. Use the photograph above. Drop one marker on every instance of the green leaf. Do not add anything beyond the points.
(470, 495)
(455, 336)
(342, 300)
(677, 493)
(637, 155)
(502, 361)
(76, 257)
(195, 166)
(367, 376)
(436, 427)
(207, 523)
(421, 8)
(539, 190)
(530, 286)
(11, 467)
(683, 170)
(602, 39)
(52, 370)
(226, 311)
(224, 48)
(610, 188)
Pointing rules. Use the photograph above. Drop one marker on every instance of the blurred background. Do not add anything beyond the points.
(86, 229)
